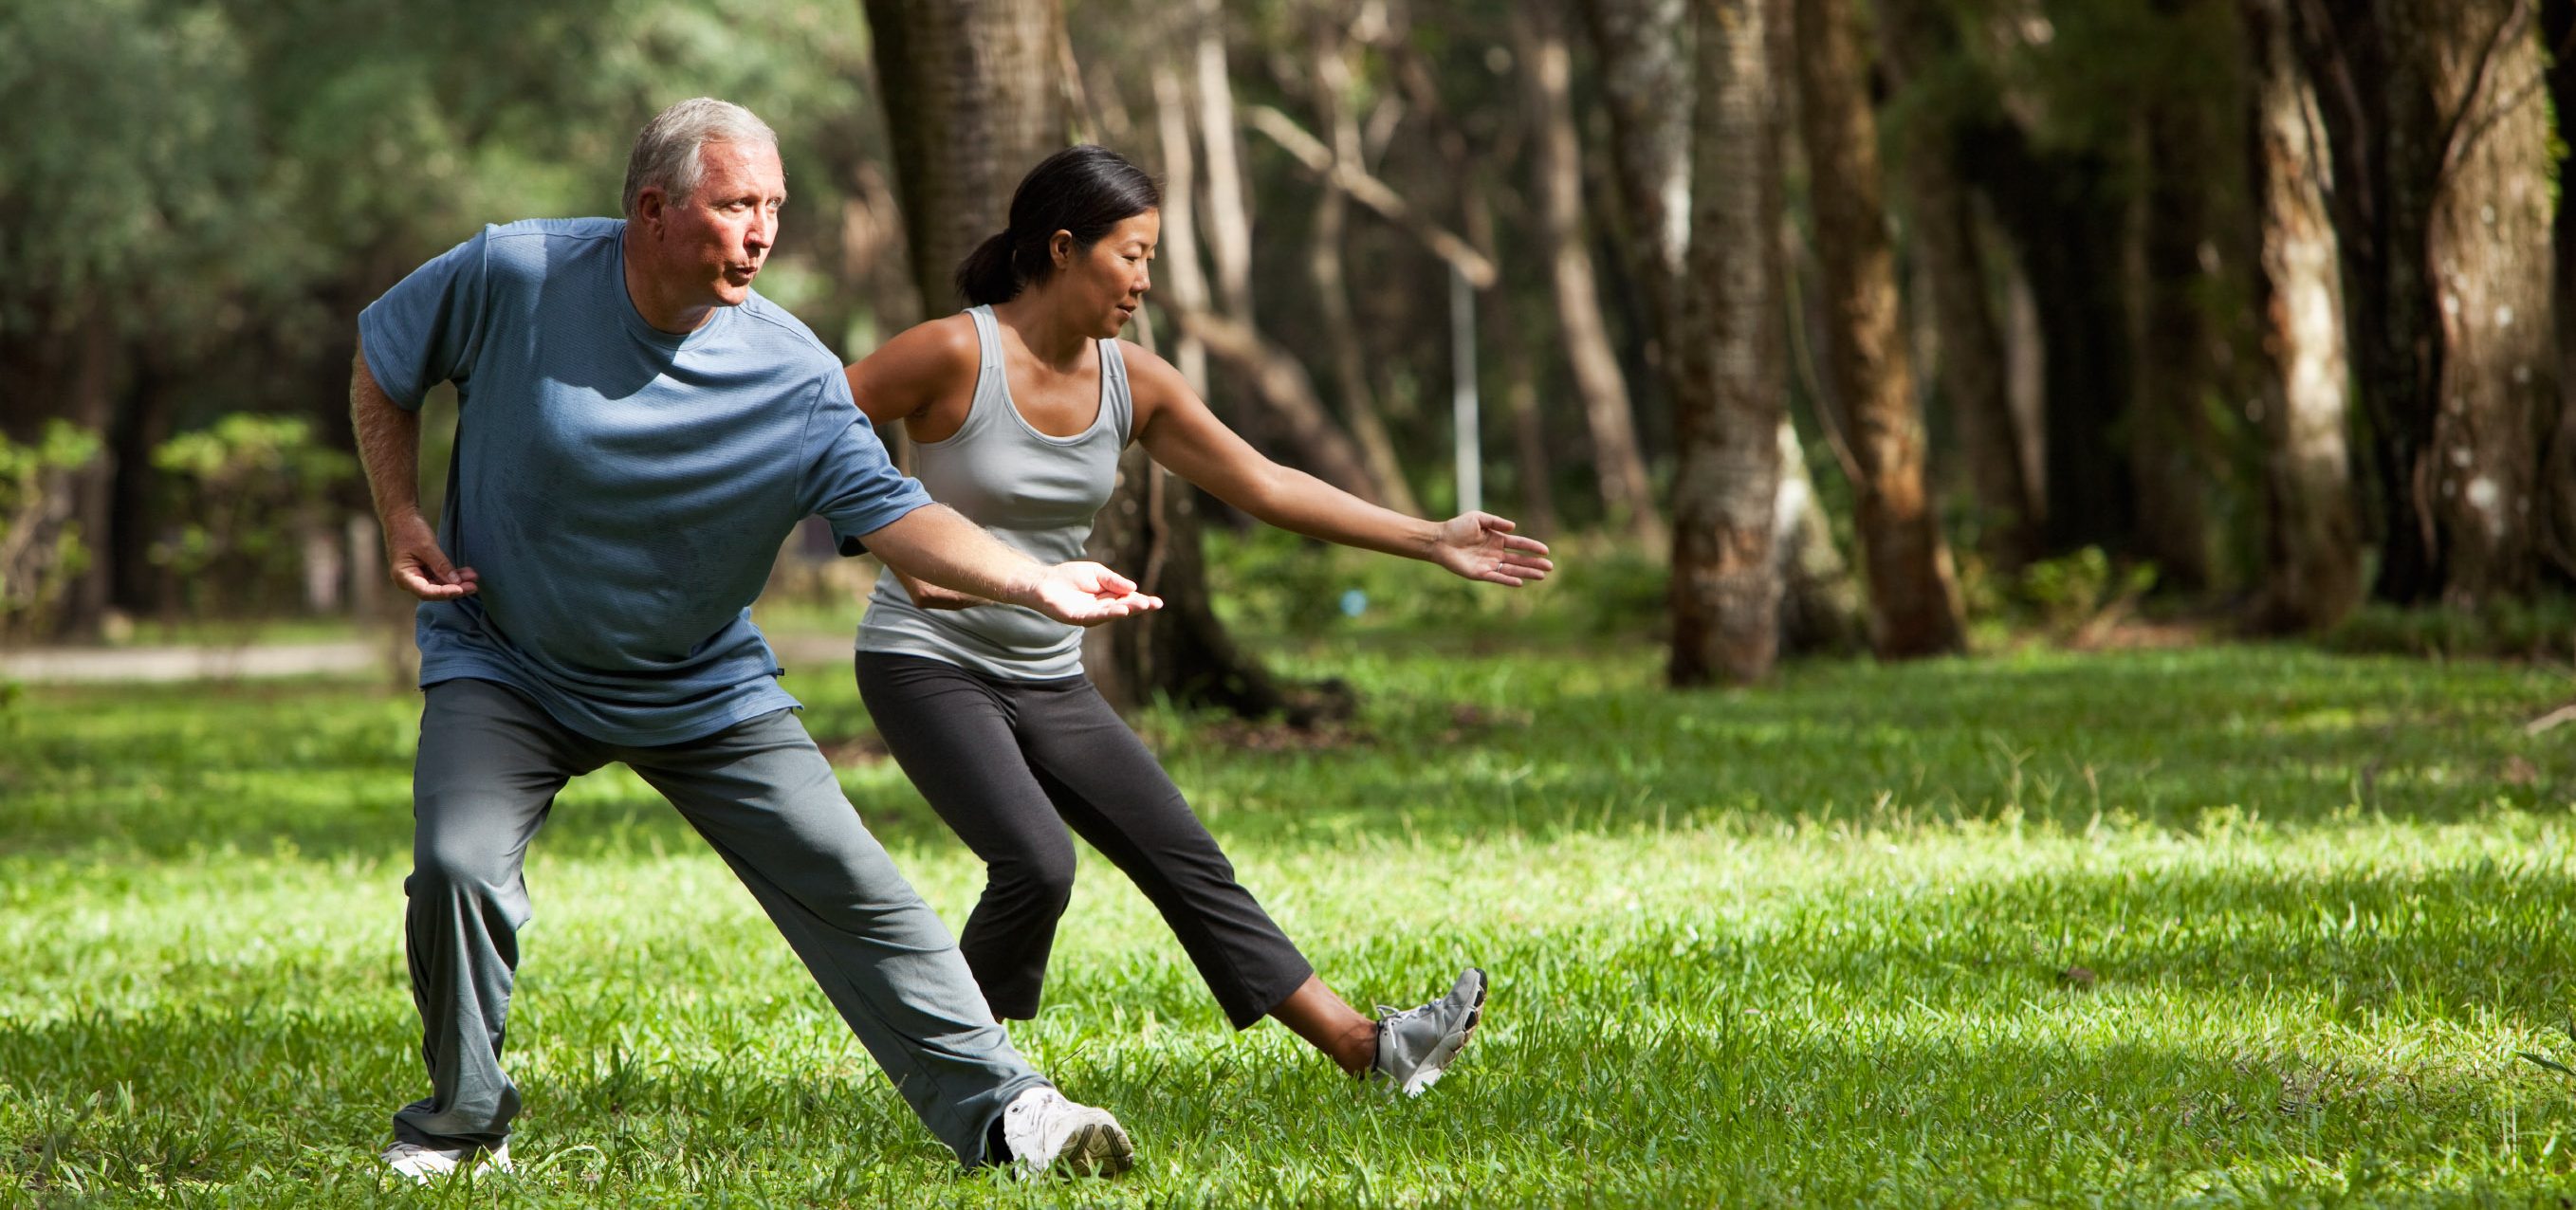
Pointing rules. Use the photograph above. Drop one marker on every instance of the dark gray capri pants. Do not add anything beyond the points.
(489, 766)
(1009, 765)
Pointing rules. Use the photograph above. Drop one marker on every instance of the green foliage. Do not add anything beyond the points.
(2067, 592)
(2541, 628)
(1809, 946)
(40, 544)
(251, 488)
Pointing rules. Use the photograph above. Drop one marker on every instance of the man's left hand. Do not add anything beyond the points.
(1087, 594)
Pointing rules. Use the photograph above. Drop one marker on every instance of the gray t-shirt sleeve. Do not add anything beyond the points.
(849, 481)
(423, 331)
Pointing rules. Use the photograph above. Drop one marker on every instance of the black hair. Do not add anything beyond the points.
(1085, 190)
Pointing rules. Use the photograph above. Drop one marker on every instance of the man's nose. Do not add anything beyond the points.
(763, 230)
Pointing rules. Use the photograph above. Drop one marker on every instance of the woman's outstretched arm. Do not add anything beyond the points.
(1180, 432)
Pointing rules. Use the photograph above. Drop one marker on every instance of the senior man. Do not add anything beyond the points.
(638, 431)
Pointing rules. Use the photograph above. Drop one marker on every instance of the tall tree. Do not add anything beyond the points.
(2184, 117)
(2312, 538)
(1329, 49)
(2053, 199)
(1970, 372)
(1732, 384)
(1914, 600)
(1546, 67)
(1648, 89)
(973, 99)
(2437, 122)
(2558, 467)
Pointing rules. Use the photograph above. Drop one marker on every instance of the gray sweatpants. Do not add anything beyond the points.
(490, 763)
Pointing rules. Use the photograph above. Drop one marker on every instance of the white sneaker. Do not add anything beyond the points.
(426, 1164)
(1046, 1133)
(1416, 1045)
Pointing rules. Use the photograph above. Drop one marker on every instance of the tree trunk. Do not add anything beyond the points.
(972, 103)
(1556, 163)
(2168, 435)
(1731, 391)
(1179, 253)
(2440, 145)
(2054, 207)
(1229, 216)
(1914, 601)
(973, 100)
(1970, 373)
(2312, 541)
(1332, 288)
(2558, 467)
(1648, 91)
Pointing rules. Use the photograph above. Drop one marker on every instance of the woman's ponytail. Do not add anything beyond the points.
(987, 276)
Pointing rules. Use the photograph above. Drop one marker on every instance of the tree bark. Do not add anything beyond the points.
(1970, 372)
(1914, 601)
(1556, 164)
(1731, 391)
(2312, 536)
(972, 103)
(2439, 138)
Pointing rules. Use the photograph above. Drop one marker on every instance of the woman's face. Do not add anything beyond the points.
(1102, 286)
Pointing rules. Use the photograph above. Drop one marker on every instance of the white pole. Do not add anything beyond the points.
(1462, 398)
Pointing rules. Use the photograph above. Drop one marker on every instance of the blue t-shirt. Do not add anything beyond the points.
(621, 492)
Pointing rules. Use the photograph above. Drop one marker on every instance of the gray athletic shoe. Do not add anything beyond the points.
(1416, 1045)
(1047, 1133)
(426, 1164)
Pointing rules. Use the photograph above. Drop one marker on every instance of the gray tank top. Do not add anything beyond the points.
(1037, 493)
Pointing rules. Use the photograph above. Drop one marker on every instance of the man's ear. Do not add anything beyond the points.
(651, 209)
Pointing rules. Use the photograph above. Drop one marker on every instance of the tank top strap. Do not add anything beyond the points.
(988, 336)
(1114, 394)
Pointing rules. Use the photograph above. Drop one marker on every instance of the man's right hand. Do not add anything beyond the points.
(1087, 594)
(419, 566)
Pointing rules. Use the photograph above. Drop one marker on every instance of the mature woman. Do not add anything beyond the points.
(1018, 409)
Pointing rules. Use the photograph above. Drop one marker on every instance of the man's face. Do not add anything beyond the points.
(716, 240)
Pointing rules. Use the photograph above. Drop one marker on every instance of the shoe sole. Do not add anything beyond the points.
(1447, 1051)
(1096, 1149)
(476, 1164)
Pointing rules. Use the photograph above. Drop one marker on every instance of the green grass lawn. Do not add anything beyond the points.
(1815, 944)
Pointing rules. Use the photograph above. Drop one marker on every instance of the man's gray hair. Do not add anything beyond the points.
(666, 154)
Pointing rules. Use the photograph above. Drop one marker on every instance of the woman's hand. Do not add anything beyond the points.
(1482, 546)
